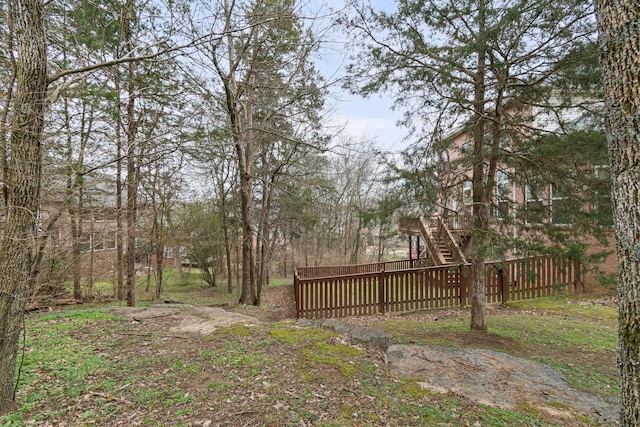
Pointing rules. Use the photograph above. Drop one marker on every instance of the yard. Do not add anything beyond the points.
(83, 366)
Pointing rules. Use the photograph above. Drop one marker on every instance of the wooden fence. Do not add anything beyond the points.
(343, 270)
(340, 291)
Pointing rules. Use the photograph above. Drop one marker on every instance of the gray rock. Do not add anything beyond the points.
(205, 320)
(370, 337)
(338, 326)
(358, 334)
(305, 323)
(496, 379)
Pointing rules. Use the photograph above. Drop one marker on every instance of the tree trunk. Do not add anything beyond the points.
(119, 288)
(246, 195)
(245, 146)
(225, 230)
(4, 125)
(159, 270)
(74, 199)
(355, 250)
(23, 184)
(89, 290)
(480, 204)
(620, 59)
(285, 255)
(132, 181)
(177, 262)
(75, 224)
(263, 243)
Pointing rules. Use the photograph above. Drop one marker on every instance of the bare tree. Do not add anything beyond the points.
(263, 66)
(20, 248)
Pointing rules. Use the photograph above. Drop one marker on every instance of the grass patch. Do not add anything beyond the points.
(317, 350)
(91, 368)
(57, 364)
(568, 307)
(298, 337)
(281, 281)
(577, 337)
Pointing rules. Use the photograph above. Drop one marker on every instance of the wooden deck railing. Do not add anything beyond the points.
(362, 290)
(343, 270)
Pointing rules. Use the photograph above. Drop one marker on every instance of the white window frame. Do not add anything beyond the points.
(467, 195)
(98, 242)
(556, 196)
(502, 194)
(530, 198)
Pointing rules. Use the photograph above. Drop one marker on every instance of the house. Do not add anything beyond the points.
(550, 187)
(81, 233)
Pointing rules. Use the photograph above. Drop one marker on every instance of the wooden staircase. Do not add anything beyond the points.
(441, 246)
(448, 256)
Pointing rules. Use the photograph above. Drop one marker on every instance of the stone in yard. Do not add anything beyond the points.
(496, 379)
(366, 336)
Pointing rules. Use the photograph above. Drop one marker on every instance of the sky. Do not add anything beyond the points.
(369, 118)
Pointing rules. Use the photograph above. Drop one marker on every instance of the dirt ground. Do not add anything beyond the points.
(483, 376)
(278, 303)
(173, 354)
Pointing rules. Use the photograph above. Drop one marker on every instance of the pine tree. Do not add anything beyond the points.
(471, 65)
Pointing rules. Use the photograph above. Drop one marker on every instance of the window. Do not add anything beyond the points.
(98, 241)
(467, 147)
(534, 205)
(560, 207)
(467, 195)
(55, 235)
(502, 195)
(602, 187)
(98, 245)
(456, 217)
(109, 240)
(85, 242)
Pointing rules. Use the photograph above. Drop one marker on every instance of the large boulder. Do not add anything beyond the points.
(497, 379)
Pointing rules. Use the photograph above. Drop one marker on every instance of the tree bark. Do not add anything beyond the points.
(159, 249)
(23, 184)
(119, 287)
(480, 203)
(245, 151)
(4, 125)
(246, 195)
(247, 168)
(177, 262)
(619, 41)
(225, 230)
(132, 181)
(263, 248)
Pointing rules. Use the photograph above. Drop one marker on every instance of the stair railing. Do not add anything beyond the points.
(450, 241)
(431, 243)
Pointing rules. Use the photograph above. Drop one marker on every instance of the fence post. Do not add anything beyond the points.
(463, 285)
(296, 291)
(577, 284)
(504, 287)
(382, 279)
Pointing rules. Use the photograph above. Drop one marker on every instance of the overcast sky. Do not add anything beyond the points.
(371, 118)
